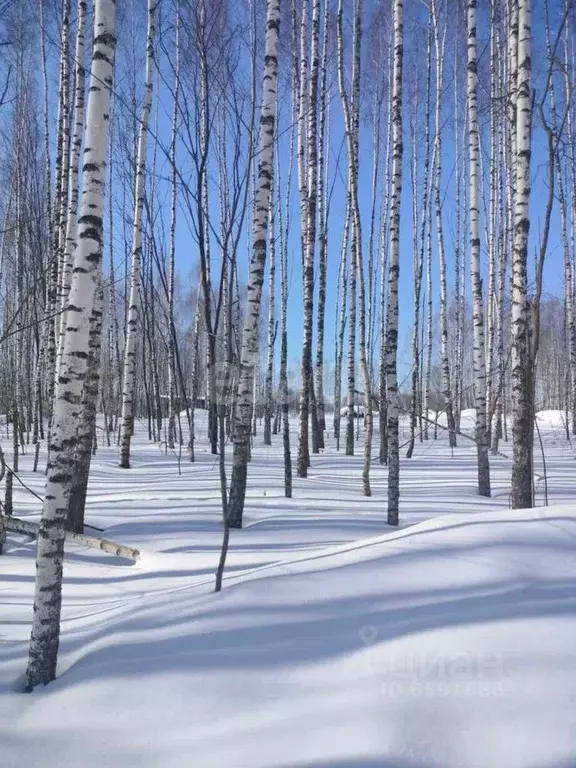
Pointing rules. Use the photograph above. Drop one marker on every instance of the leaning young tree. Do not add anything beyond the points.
(129, 387)
(392, 394)
(45, 636)
(249, 349)
(474, 180)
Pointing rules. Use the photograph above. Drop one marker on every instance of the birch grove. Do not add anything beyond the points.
(348, 237)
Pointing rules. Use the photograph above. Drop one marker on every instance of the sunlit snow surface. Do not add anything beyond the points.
(336, 641)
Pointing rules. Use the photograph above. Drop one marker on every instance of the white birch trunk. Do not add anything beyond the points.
(172, 268)
(139, 192)
(492, 227)
(352, 116)
(249, 350)
(340, 324)
(308, 117)
(440, 47)
(323, 141)
(571, 153)
(271, 334)
(61, 213)
(458, 257)
(284, 229)
(522, 389)
(474, 180)
(394, 273)
(349, 110)
(384, 253)
(87, 421)
(45, 635)
(57, 207)
(195, 375)
(72, 217)
(419, 247)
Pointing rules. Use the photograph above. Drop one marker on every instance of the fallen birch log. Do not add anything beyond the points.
(16, 525)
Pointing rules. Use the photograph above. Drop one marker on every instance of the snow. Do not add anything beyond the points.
(358, 411)
(336, 641)
(551, 420)
(467, 418)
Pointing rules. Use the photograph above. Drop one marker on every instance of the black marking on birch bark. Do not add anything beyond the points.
(62, 478)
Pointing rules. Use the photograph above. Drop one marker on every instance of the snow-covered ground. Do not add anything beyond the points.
(335, 641)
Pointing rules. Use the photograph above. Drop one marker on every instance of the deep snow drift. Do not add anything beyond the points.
(335, 642)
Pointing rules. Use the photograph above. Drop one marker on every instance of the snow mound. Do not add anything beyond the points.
(551, 419)
(358, 411)
(449, 644)
(467, 418)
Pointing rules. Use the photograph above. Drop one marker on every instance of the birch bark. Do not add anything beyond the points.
(129, 386)
(522, 389)
(394, 272)
(249, 350)
(45, 635)
(474, 180)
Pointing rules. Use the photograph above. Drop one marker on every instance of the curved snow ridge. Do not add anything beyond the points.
(480, 530)
(450, 534)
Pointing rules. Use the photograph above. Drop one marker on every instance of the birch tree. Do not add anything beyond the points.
(340, 322)
(172, 267)
(440, 48)
(249, 350)
(384, 253)
(351, 125)
(394, 272)
(571, 157)
(45, 634)
(474, 180)
(307, 123)
(58, 211)
(353, 149)
(139, 193)
(271, 330)
(284, 227)
(76, 146)
(521, 374)
(323, 164)
(419, 247)
(87, 421)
